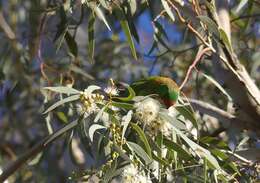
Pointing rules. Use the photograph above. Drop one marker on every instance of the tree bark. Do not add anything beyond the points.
(240, 86)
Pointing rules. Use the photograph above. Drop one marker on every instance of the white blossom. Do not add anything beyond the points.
(147, 110)
(131, 174)
(111, 90)
(160, 125)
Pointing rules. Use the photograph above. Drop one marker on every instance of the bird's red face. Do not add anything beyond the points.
(168, 103)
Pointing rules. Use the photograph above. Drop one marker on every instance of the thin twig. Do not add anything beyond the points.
(197, 59)
(245, 17)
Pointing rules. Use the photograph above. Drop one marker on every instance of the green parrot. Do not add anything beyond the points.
(167, 90)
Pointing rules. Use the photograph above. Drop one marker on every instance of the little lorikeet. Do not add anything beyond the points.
(167, 90)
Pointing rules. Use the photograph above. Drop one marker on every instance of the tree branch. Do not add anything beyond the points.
(224, 117)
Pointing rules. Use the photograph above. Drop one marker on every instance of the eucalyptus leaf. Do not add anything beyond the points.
(123, 105)
(140, 152)
(200, 151)
(126, 29)
(90, 89)
(213, 81)
(143, 138)
(61, 131)
(63, 89)
(125, 121)
(63, 101)
(73, 47)
(211, 25)
(93, 128)
(168, 10)
(100, 113)
(129, 97)
(226, 41)
(187, 113)
(99, 13)
(91, 35)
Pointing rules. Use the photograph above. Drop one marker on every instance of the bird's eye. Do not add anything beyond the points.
(150, 113)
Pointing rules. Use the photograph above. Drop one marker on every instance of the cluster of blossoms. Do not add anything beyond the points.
(148, 112)
(88, 104)
(89, 100)
(131, 174)
(111, 90)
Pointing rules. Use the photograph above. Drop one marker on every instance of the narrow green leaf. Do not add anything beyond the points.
(129, 97)
(63, 101)
(62, 117)
(62, 131)
(122, 105)
(212, 26)
(36, 159)
(182, 153)
(91, 36)
(93, 128)
(240, 6)
(125, 122)
(175, 122)
(188, 114)
(225, 40)
(100, 15)
(90, 89)
(160, 29)
(200, 151)
(142, 138)
(168, 10)
(100, 113)
(73, 47)
(60, 39)
(213, 81)
(81, 71)
(125, 27)
(63, 89)
(140, 152)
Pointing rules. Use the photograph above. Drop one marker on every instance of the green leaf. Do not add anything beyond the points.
(100, 113)
(62, 131)
(125, 122)
(212, 26)
(90, 89)
(160, 29)
(129, 97)
(62, 117)
(99, 13)
(159, 160)
(126, 106)
(93, 128)
(200, 151)
(212, 80)
(175, 122)
(240, 6)
(140, 152)
(71, 44)
(168, 10)
(188, 114)
(78, 70)
(125, 27)
(133, 6)
(61, 102)
(225, 40)
(36, 159)
(91, 35)
(142, 138)
(177, 148)
(63, 89)
(60, 39)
